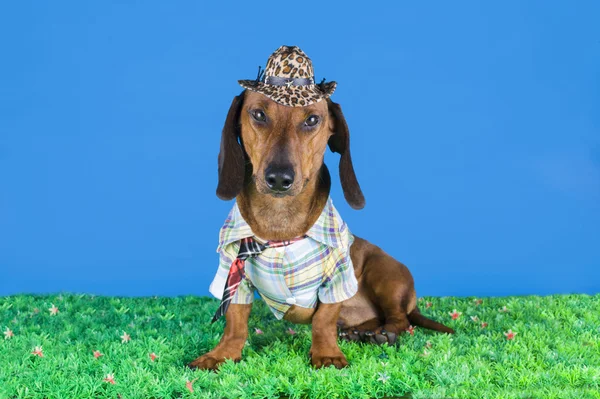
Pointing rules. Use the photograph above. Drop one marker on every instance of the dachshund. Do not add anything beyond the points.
(251, 145)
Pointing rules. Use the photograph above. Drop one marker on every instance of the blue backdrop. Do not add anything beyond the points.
(475, 133)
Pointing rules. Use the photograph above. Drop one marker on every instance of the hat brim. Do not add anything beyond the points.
(292, 96)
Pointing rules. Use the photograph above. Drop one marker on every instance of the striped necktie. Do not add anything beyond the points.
(248, 248)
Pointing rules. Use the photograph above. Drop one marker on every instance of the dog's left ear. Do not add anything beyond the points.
(340, 143)
(231, 156)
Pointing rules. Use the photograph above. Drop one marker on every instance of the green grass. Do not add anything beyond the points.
(555, 353)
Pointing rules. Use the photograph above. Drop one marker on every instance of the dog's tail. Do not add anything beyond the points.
(417, 319)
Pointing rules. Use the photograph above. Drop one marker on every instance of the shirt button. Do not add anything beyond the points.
(291, 301)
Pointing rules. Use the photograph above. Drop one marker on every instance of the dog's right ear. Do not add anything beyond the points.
(231, 156)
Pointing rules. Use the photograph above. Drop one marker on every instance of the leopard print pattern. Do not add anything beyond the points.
(291, 62)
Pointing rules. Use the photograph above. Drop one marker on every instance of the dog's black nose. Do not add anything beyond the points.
(279, 178)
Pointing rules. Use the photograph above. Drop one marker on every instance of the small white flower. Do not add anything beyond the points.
(38, 351)
(383, 377)
(8, 334)
(125, 337)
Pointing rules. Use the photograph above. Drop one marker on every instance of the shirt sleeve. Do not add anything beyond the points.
(340, 284)
(245, 291)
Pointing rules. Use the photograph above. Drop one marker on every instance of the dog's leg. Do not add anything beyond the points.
(394, 305)
(379, 331)
(388, 286)
(391, 287)
(232, 342)
(324, 350)
(398, 303)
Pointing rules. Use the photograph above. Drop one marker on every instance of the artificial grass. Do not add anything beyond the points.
(554, 354)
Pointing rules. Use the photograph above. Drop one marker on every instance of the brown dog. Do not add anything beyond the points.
(271, 135)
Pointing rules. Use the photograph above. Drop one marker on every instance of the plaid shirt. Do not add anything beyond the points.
(318, 266)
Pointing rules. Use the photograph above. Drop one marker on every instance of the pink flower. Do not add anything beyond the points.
(110, 378)
(258, 331)
(428, 305)
(475, 318)
(153, 356)
(484, 324)
(503, 310)
(428, 344)
(290, 331)
(478, 302)
(97, 354)
(455, 315)
(411, 330)
(53, 310)
(125, 337)
(8, 334)
(189, 386)
(510, 334)
(38, 351)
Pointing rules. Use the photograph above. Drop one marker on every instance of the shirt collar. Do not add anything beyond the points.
(329, 229)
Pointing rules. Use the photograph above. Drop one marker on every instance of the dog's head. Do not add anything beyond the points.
(284, 146)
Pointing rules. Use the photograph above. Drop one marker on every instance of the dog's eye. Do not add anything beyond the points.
(258, 115)
(312, 120)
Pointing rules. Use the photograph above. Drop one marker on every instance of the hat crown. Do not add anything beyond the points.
(289, 79)
(289, 62)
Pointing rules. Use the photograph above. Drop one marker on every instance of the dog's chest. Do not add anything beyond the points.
(290, 275)
(316, 268)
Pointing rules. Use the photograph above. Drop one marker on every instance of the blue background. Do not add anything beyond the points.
(475, 136)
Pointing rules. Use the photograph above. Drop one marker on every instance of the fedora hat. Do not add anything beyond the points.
(289, 79)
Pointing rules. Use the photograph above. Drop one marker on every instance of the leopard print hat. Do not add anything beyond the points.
(289, 79)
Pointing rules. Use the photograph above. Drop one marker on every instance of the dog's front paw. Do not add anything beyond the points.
(325, 359)
(210, 361)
